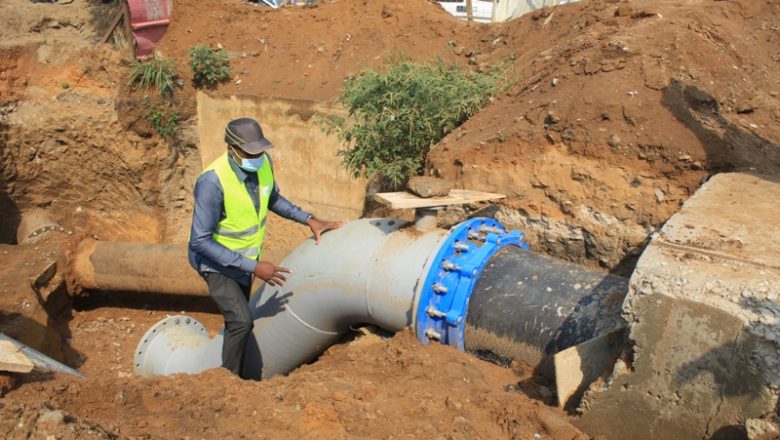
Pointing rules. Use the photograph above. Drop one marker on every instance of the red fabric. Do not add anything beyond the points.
(148, 20)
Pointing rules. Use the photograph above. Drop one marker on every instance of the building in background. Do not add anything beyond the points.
(494, 11)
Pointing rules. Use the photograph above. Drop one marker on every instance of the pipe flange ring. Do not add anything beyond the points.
(160, 328)
(444, 298)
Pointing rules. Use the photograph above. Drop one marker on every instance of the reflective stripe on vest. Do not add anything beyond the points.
(243, 228)
(244, 233)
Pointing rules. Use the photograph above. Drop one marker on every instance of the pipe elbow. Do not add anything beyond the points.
(373, 281)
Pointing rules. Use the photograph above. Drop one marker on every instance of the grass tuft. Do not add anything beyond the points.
(154, 73)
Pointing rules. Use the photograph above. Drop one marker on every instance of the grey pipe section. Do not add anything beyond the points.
(368, 271)
(34, 224)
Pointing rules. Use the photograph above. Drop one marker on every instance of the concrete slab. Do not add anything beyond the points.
(703, 310)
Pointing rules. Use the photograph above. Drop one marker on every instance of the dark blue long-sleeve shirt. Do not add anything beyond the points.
(205, 254)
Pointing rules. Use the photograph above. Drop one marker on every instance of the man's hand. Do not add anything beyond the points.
(318, 227)
(271, 273)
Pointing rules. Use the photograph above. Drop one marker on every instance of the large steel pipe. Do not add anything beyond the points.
(527, 306)
(390, 274)
(135, 267)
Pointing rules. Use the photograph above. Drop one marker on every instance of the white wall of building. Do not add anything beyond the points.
(487, 11)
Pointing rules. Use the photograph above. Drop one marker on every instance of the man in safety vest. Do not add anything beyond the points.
(232, 199)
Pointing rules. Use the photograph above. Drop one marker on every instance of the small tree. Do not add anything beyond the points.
(395, 117)
(209, 66)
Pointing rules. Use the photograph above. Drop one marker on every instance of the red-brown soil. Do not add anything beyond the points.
(621, 109)
(368, 388)
(306, 53)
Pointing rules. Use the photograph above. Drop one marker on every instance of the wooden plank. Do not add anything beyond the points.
(577, 367)
(407, 200)
(117, 18)
(128, 28)
(11, 359)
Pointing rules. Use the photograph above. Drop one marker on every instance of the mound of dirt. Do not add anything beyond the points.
(368, 388)
(621, 109)
(51, 159)
(66, 146)
(33, 304)
(307, 52)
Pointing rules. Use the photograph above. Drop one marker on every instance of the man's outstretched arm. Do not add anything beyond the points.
(283, 207)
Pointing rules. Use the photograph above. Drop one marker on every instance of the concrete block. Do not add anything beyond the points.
(703, 308)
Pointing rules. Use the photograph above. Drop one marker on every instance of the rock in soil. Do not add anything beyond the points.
(426, 187)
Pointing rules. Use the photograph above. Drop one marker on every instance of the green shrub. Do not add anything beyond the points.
(395, 117)
(155, 72)
(163, 121)
(209, 66)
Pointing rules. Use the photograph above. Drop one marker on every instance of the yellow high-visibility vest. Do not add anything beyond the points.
(243, 228)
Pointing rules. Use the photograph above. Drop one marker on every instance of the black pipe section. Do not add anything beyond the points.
(527, 307)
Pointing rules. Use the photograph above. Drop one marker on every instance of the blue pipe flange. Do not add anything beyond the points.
(444, 299)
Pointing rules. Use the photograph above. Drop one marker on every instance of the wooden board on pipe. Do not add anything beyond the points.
(406, 200)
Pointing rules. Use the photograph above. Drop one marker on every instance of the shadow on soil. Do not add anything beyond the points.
(10, 218)
(728, 147)
(103, 15)
(145, 301)
(50, 339)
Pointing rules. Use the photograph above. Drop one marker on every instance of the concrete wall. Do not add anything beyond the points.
(307, 169)
(703, 310)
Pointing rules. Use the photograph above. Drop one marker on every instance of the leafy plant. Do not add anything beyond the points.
(209, 66)
(396, 116)
(164, 122)
(155, 72)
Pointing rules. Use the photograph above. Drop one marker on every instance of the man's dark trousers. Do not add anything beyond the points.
(232, 299)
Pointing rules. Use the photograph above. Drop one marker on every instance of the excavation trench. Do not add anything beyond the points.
(111, 277)
(589, 177)
(475, 287)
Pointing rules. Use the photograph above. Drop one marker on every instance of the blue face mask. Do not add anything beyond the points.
(250, 165)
